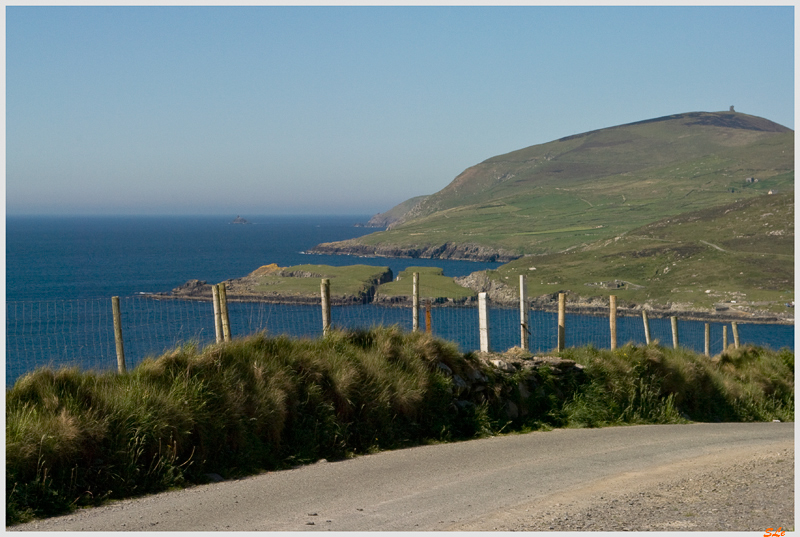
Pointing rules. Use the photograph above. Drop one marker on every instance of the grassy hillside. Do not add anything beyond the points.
(742, 252)
(598, 185)
(394, 214)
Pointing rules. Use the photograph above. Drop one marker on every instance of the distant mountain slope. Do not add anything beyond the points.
(572, 191)
(391, 216)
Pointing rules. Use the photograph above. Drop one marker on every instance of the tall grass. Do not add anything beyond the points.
(79, 438)
(651, 384)
(76, 438)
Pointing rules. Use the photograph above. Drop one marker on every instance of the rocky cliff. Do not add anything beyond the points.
(448, 250)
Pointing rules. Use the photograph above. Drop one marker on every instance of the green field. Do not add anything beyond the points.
(742, 252)
(432, 284)
(304, 280)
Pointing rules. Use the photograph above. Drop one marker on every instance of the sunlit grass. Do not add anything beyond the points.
(78, 438)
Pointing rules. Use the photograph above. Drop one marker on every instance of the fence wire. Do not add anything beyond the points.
(80, 332)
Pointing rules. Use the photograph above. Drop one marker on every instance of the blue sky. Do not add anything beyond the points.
(347, 110)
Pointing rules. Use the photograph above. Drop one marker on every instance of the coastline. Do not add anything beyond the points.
(543, 303)
(448, 251)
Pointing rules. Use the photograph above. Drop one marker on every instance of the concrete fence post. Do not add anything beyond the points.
(674, 321)
(646, 322)
(415, 302)
(483, 322)
(612, 320)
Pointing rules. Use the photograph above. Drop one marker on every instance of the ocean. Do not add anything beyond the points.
(62, 271)
(61, 258)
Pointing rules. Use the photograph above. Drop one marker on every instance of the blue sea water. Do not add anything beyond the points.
(62, 258)
(62, 271)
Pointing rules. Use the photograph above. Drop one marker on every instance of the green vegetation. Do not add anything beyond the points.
(432, 284)
(384, 219)
(599, 185)
(304, 280)
(80, 438)
(650, 384)
(742, 252)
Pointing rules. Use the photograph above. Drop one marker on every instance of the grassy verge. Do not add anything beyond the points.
(79, 438)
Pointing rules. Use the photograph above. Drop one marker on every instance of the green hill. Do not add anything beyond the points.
(736, 260)
(598, 185)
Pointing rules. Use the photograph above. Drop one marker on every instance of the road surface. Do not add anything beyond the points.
(479, 484)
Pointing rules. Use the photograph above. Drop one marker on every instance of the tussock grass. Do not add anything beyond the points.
(652, 384)
(78, 438)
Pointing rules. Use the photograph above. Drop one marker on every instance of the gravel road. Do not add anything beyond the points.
(749, 490)
(667, 477)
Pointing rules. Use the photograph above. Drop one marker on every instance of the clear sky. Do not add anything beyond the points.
(347, 110)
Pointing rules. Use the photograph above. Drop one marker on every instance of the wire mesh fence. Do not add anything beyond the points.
(81, 333)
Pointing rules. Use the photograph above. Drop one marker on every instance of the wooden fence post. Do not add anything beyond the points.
(562, 326)
(118, 334)
(223, 307)
(612, 319)
(428, 316)
(708, 339)
(483, 322)
(735, 330)
(646, 322)
(217, 313)
(674, 331)
(325, 292)
(415, 302)
(524, 330)
(724, 337)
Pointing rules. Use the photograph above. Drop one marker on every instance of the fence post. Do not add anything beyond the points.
(735, 329)
(415, 302)
(646, 322)
(524, 331)
(612, 319)
(217, 313)
(223, 307)
(724, 337)
(118, 334)
(562, 327)
(325, 292)
(483, 322)
(708, 339)
(674, 331)
(428, 316)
